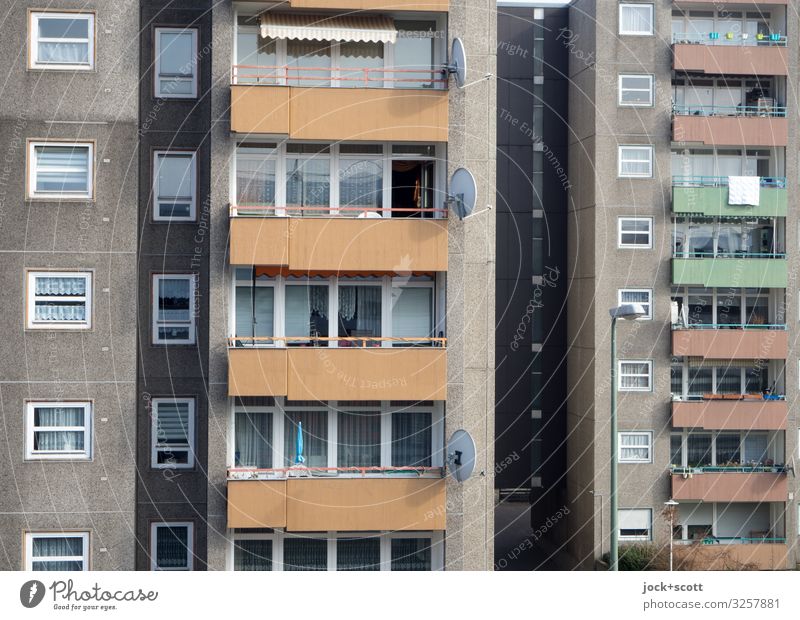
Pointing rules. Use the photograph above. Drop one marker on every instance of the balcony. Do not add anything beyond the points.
(340, 243)
(734, 55)
(441, 6)
(731, 342)
(756, 270)
(353, 372)
(353, 104)
(729, 484)
(339, 504)
(733, 554)
(731, 412)
(739, 125)
(708, 196)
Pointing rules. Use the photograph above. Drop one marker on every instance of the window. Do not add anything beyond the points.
(176, 63)
(411, 438)
(172, 433)
(358, 554)
(635, 523)
(58, 430)
(252, 554)
(57, 551)
(60, 170)
(62, 41)
(635, 232)
(635, 376)
(171, 546)
(636, 19)
(635, 447)
(359, 439)
(174, 174)
(59, 300)
(641, 296)
(253, 439)
(315, 438)
(411, 554)
(173, 309)
(305, 554)
(635, 161)
(635, 90)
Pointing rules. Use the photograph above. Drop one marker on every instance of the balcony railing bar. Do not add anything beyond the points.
(730, 38)
(733, 469)
(731, 540)
(729, 255)
(281, 473)
(678, 326)
(728, 111)
(261, 210)
(354, 342)
(716, 181)
(375, 77)
(677, 398)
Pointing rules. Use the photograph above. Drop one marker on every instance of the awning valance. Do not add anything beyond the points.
(355, 28)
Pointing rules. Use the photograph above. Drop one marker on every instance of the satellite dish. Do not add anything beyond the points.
(458, 63)
(461, 455)
(463, 193)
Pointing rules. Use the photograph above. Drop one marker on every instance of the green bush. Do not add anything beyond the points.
(637, 556)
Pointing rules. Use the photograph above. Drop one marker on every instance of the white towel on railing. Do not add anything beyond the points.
(743, 190)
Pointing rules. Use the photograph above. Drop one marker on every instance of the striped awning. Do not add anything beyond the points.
(354, 28)
(698, 362)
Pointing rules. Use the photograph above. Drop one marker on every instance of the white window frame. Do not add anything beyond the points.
(157, 64)
(32, 298)
(649, 535)
(33, 194)
(637, 33)
(621, 363)
(649, 446)
(279, 536)
(631, 218)
(193, 184)
(84, 559)
(648, 304)
(650, 90)
(154, 448)
(155, 323)
(34, 40)
(638, 147)
(83, 455)
(157, 525)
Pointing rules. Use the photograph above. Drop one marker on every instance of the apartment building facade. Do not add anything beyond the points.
(253, 357)
(682, 162)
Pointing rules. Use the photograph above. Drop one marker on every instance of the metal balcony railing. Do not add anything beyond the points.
(722, 181)
(359, 342)
(338, 77)
(303, 471)
(730, 38)
(728, 469)
(722, 254)
(762, 111)
(266, 210)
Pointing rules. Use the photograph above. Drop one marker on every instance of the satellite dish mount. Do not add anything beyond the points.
(461, 455)
(463, 193)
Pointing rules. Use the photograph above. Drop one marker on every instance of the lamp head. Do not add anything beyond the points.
(628, 312)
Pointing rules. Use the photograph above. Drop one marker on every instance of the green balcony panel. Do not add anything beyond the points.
(713, 201)
(730, 272)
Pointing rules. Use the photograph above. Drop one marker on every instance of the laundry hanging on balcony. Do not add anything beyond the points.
(744, 190)
(352, 28)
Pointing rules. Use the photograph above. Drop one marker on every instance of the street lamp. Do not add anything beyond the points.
(626, 312)
(671, 505)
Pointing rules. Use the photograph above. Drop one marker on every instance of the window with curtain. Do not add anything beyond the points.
(252, 554)
(173, 311)
(59, 299)
(698, 450)
(756, 379)
(359, 439)
(305, 554)
(57, 552)
(174, 185)
(729, 380)
(700, 382)
(172, 546)
(359, 313)
(635, 376)
(255, 179)
(411, 438)
(361, 184)
(173, 433)
(176, 63)
(676, 450)
(412, 313)
(61, 170)
(635, 523)
(255, 315)
(411, 554)
(360, 64)
(756, 446)
(315, 437)
(62, 40)
(255, 58)
(253, 430)
(728, 449)
(638, 296)
(308, 185)
(635, 90)
(635, 447)
(701, 307)
(308, 63)
(306, 311)
(358, 554)
(676, 379)
(635, 232)
(58, 430)
(635, 161)
(636, 19)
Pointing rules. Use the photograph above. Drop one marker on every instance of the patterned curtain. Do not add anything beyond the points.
(68, 546)
(358, 554)
(305, 554)
(252, 555)
(359, 439)
(54, 440)
(172, 547)
(411, 439)
(411, 554)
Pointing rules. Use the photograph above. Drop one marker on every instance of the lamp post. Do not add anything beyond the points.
(626, 312)
(671, 505)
